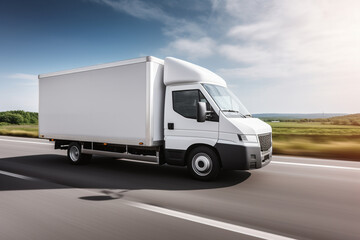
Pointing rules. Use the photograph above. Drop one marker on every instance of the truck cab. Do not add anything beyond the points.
(206, 127)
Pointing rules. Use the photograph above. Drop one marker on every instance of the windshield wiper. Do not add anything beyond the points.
(229, 110)
(234, 111)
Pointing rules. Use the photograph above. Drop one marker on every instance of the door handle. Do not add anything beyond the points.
(171, 126)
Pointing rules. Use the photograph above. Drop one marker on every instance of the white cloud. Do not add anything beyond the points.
(246, 10)
(136, 8)
(174, 27)
(308, 51)
(309, 46)
(317, 32)
(187, 38)
(24, 76)
(254, 31)
(254, 73)
(181, 28)
(245, 54)
(191, 48)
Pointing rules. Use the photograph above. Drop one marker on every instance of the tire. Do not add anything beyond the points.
(75, 156)
(203, 163)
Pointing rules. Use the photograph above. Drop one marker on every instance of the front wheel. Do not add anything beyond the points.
(203, 163)
(75, 156)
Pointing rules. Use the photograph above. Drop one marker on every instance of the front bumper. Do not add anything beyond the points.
(239, 157)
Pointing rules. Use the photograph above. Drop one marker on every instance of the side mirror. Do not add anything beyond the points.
(201, 112)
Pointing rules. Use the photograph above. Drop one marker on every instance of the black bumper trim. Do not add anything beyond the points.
(175, 157)
(237, 157)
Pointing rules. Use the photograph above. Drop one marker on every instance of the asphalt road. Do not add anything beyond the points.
(44, 197)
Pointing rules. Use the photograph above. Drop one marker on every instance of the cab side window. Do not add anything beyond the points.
(184, 102)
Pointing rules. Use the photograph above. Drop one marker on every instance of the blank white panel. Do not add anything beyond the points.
(106, 105)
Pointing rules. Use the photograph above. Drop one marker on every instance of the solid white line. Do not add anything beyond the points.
(20, 141)
(15, 175)
(209, 222)
(316, 165)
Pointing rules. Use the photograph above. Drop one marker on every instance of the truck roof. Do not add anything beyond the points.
(104, 65)
(178, 72)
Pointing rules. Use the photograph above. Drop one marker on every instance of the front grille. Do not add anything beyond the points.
(265, 141)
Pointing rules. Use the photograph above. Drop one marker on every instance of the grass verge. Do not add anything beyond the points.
(314, 139)
(19, 130)
(332, 147)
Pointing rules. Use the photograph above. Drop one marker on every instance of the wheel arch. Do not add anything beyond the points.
(196, 145)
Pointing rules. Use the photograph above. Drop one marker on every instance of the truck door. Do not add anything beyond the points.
(181, 127)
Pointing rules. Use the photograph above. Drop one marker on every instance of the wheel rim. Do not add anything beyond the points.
(74, 153)
(201, 164)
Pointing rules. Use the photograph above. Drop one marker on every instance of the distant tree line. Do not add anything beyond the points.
(351, 119)
(18, 117)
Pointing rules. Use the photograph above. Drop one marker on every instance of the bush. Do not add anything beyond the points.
(11, 118)
(19, 117)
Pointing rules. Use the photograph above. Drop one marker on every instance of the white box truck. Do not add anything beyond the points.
(152, 110)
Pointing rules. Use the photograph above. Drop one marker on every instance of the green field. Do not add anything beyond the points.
(19, 130)
(314, 128)
(315, 139)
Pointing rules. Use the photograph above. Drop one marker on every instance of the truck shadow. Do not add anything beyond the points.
(108, 173)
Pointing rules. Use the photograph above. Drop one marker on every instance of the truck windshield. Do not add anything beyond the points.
(228, 103)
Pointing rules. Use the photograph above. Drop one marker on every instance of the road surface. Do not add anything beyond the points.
(44, 197)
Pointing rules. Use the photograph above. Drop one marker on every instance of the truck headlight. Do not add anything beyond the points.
(251, 138)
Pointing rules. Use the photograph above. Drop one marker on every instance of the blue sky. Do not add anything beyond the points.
(277, 56)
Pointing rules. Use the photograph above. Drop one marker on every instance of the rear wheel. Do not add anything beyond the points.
(75, 156)
(203, 163)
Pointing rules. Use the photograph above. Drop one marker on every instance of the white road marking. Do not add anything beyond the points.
(316, 165)
(20, 141)
(15, 175)
(209, 222)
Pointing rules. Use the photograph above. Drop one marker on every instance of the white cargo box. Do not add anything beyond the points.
(119, 102)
